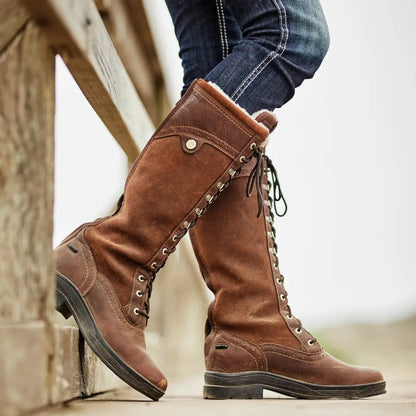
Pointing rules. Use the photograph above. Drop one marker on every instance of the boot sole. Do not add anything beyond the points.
(69, 301)
(250, 385)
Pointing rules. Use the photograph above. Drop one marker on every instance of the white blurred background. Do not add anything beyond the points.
(344, 151)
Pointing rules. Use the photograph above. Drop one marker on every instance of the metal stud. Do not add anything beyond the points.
(190, 144)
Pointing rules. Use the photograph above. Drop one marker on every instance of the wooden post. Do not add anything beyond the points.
(27, 100)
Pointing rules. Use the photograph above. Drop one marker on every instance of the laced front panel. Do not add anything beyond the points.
(275, 198)
(187, 225)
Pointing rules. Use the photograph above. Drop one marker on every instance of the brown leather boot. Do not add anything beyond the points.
(105, 269)
(253, 342)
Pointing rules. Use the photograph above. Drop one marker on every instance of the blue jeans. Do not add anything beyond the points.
(257, 51)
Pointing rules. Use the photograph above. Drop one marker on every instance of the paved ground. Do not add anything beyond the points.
(184, 398)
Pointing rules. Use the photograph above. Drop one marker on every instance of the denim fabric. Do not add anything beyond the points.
(257, 51)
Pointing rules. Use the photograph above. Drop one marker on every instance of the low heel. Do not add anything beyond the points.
(62, 306)
(254, 391)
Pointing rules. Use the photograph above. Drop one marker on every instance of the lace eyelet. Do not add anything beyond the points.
(220, 186)
(282, 296)
(289, 316)
(275, 266)
(198, 212)
(154, 265)
(186, 225)
(298, 330)
(139, 294)
(141, 278)
(243, 159)
(165, 251)
(232, 172)
(253, 146)
(279, 281)
(175, 238)
(311, 342)
(136, 311)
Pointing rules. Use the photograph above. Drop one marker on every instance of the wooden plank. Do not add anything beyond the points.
(27, 102)
(12, 18)
(125, 30)
(78, 33)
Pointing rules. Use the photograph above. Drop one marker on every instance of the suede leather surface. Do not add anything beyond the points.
(168, 188)
(250, 313)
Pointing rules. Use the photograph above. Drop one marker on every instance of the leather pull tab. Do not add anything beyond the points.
(268, 119)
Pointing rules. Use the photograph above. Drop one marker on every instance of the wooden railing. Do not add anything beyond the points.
(118, 72)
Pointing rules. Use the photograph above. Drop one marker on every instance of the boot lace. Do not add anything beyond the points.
(275, 200)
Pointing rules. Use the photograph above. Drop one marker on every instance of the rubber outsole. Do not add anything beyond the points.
(250, 385)
(69, 301)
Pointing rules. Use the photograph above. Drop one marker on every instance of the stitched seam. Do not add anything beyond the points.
(295, 358)
(237, 124)
(284, 36)
(221, 26)
(254, 74)
(204, 135)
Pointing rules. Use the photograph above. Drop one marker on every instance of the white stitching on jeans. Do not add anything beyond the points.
(223, 29)
(270, 56)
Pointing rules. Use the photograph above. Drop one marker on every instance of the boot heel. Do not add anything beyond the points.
(254, 391)
(62, 306)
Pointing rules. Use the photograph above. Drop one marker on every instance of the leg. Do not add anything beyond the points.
(207, 33)
(283, 43)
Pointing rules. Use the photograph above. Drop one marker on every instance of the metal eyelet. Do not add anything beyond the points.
(298, 330)
(136, 311)
(220, 186)
(275, 266)
(186, 225)
(165, 251)
(232, 172)
(141, 278)
(154, 265)
(175, 238)
(282, 296)
(289, 316)
(311, 342)
(253, 146)
(243, 159)
(198, 212)
(139, 293)
(279, 281)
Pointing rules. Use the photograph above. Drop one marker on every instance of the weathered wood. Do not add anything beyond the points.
(12, 18)
(26, 177)
(124, 32)
(78, 33)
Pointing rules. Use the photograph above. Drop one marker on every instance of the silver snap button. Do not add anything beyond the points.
(190, 144)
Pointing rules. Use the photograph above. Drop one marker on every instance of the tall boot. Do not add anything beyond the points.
(253, 342)
(105, 269)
